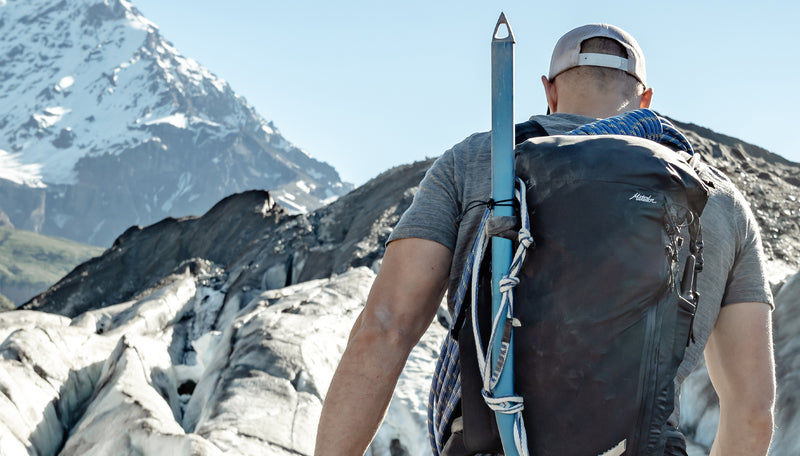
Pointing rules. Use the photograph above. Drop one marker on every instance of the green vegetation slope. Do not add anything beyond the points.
(30, 263)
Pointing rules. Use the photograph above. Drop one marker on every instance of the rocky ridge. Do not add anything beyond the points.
(769, 182)
(220, 333)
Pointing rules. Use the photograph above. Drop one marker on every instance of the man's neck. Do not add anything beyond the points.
(599, 108)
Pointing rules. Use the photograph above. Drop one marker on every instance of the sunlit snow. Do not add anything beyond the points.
(184, 185)
(66, 82)
(302, 185)
(50, 116)
(177, 120)
(286, 201)
(11, 169)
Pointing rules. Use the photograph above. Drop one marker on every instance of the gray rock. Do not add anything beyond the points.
(5, 221)
(23, 207)
(256, 241)
(768, 181)
(787, 358)
(141, 257)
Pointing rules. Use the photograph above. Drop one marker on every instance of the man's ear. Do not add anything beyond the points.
(551, 93)
(647, 98)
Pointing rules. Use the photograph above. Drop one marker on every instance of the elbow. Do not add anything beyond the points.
(752, 403)
(393, 330)
(756, 420)
(395, 337)
(391, 334)
(760, 427)
(762, 423)
(384, 349)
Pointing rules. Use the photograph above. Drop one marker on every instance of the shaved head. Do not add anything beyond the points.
(600, 79)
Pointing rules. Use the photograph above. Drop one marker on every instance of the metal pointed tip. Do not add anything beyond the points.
(500, 21)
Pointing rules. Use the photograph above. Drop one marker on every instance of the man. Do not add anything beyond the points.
(596, 71)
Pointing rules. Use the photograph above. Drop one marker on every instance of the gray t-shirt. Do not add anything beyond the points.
(734, 260)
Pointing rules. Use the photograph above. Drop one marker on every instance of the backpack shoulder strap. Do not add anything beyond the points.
(702, 169)
(526, 130)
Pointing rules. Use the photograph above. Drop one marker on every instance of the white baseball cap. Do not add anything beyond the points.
(567, 53)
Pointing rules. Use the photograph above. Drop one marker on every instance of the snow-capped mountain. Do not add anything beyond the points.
(104, 124)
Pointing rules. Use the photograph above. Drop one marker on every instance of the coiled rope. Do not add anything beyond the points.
(643, 123)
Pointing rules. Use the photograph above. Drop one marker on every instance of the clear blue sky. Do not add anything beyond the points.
(367, 85)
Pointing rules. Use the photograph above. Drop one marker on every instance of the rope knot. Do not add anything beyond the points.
(508, 405)
(525, 238)
(507, 283)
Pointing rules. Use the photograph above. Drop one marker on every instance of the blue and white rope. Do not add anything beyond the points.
(643, 123)
(446, 387)
(511, 404)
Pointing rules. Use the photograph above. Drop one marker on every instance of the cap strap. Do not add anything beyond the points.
(603, 60)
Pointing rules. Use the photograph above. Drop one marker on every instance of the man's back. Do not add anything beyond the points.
(422, 254)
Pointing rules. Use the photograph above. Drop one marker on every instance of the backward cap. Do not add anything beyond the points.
(567, 53)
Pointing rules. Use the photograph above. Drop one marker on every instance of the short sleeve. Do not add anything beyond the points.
(747, 279)
(433, 214)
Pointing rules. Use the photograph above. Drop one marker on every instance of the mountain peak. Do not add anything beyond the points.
(90, 90)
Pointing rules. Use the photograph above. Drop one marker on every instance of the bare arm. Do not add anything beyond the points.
(400, 307)
(742, 369)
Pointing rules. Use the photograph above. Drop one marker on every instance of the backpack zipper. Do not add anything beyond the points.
(649, 374)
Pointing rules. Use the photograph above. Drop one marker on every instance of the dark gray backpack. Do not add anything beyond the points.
(605, 302)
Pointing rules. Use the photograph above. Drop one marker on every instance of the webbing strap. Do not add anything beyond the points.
(618, 450)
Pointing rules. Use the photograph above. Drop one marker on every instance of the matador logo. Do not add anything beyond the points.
(642, 198)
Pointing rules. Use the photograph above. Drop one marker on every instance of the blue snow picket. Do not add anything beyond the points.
(501, 366)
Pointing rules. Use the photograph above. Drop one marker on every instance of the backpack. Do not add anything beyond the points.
(604, 304)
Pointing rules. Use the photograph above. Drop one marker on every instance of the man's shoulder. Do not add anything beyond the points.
(721, 186)
(561, 123)
(476, 142)
(727, 211)
(713, 174)
(554, 124)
